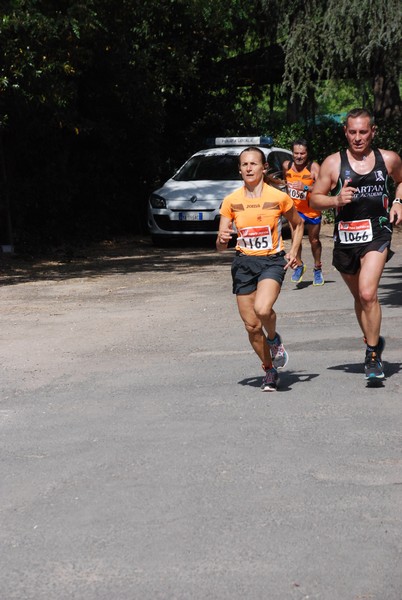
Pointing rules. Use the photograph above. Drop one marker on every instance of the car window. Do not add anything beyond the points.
(276, 159)
(213, 168)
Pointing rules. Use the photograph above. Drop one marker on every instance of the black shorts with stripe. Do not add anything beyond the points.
(347, 260)
(247, 271)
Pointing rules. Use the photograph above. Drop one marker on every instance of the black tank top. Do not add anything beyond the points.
(370, 201)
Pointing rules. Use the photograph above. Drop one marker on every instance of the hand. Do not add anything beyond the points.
(395, 214)
(346, 195)
(225, 235)
(298, 185)
(292, 261)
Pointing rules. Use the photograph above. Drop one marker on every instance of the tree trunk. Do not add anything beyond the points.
(387, 99)
(292, 108)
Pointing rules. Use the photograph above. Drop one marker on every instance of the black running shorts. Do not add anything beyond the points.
(348, 260)
(247, 271)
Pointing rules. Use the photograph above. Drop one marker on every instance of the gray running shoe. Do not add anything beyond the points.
(278, 353)
(270, 380)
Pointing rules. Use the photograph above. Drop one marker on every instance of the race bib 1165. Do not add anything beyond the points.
(255, 238)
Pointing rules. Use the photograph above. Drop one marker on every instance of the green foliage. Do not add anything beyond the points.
(328, 136)
(40, 52)
(100, 101)
(288, 133)
(389, 135)
(326, 40)
(338, 96)
(324, 139)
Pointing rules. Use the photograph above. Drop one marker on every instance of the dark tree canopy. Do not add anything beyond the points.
(345, 38)
(99, 100)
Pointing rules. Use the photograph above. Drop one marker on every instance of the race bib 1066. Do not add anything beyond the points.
(355, 232)
(255, 238)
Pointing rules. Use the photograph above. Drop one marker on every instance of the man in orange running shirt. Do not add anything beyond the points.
(300, 174)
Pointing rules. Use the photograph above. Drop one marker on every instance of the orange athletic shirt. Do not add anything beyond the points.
(257, 220)
(301, 198)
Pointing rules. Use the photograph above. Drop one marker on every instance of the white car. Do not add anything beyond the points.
(188, 204)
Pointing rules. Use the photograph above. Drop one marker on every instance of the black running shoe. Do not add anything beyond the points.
(373, 368)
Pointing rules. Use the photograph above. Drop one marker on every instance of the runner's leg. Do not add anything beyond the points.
(364, 287)
(254, 327)
(266, 295)
(299, 252)
(315, 243)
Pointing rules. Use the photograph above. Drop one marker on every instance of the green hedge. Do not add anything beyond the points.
(328, 137)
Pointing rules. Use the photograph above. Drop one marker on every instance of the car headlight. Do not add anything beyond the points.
(157, 201)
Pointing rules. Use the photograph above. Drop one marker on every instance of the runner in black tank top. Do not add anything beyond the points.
(370, 201)
(356, 180)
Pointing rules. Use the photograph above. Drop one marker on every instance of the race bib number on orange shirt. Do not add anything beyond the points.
(255, 238)
(355, 232)
(296, 194)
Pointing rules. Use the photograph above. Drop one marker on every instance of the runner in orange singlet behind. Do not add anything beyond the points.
(300, 175)
(260, 263)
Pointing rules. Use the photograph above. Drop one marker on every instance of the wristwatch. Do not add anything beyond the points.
(397, 201)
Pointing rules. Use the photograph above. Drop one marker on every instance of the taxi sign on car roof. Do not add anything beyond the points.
(242, 141)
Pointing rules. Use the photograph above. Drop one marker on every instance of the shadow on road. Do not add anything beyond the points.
(305, 284)
(390, 369)
(390, 292)
(110, 258)
(287, 380)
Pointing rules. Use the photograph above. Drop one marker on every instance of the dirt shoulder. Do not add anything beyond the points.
(124, 255)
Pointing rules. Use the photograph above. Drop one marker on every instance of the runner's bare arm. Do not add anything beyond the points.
(393, 163)
(297, 224)
(326, 181)
(224, 234)
(315, 170)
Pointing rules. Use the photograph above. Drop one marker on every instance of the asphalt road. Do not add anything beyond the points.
(141, 461)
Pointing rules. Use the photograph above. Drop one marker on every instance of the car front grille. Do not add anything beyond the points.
(163, 222)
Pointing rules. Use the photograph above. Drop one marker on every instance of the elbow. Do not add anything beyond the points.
(313, 203)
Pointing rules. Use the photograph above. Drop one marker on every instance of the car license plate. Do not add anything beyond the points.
(191, 216)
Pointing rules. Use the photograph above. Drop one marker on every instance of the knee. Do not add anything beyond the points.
(254, 328)
(368, 296)
(263, 312)
(315, 242)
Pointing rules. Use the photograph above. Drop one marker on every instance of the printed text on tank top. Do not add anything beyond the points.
(370, 185)
(366, 217)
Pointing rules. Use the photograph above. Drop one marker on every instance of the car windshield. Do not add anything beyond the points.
(276, 159)
(223, 167)
(218, 167)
